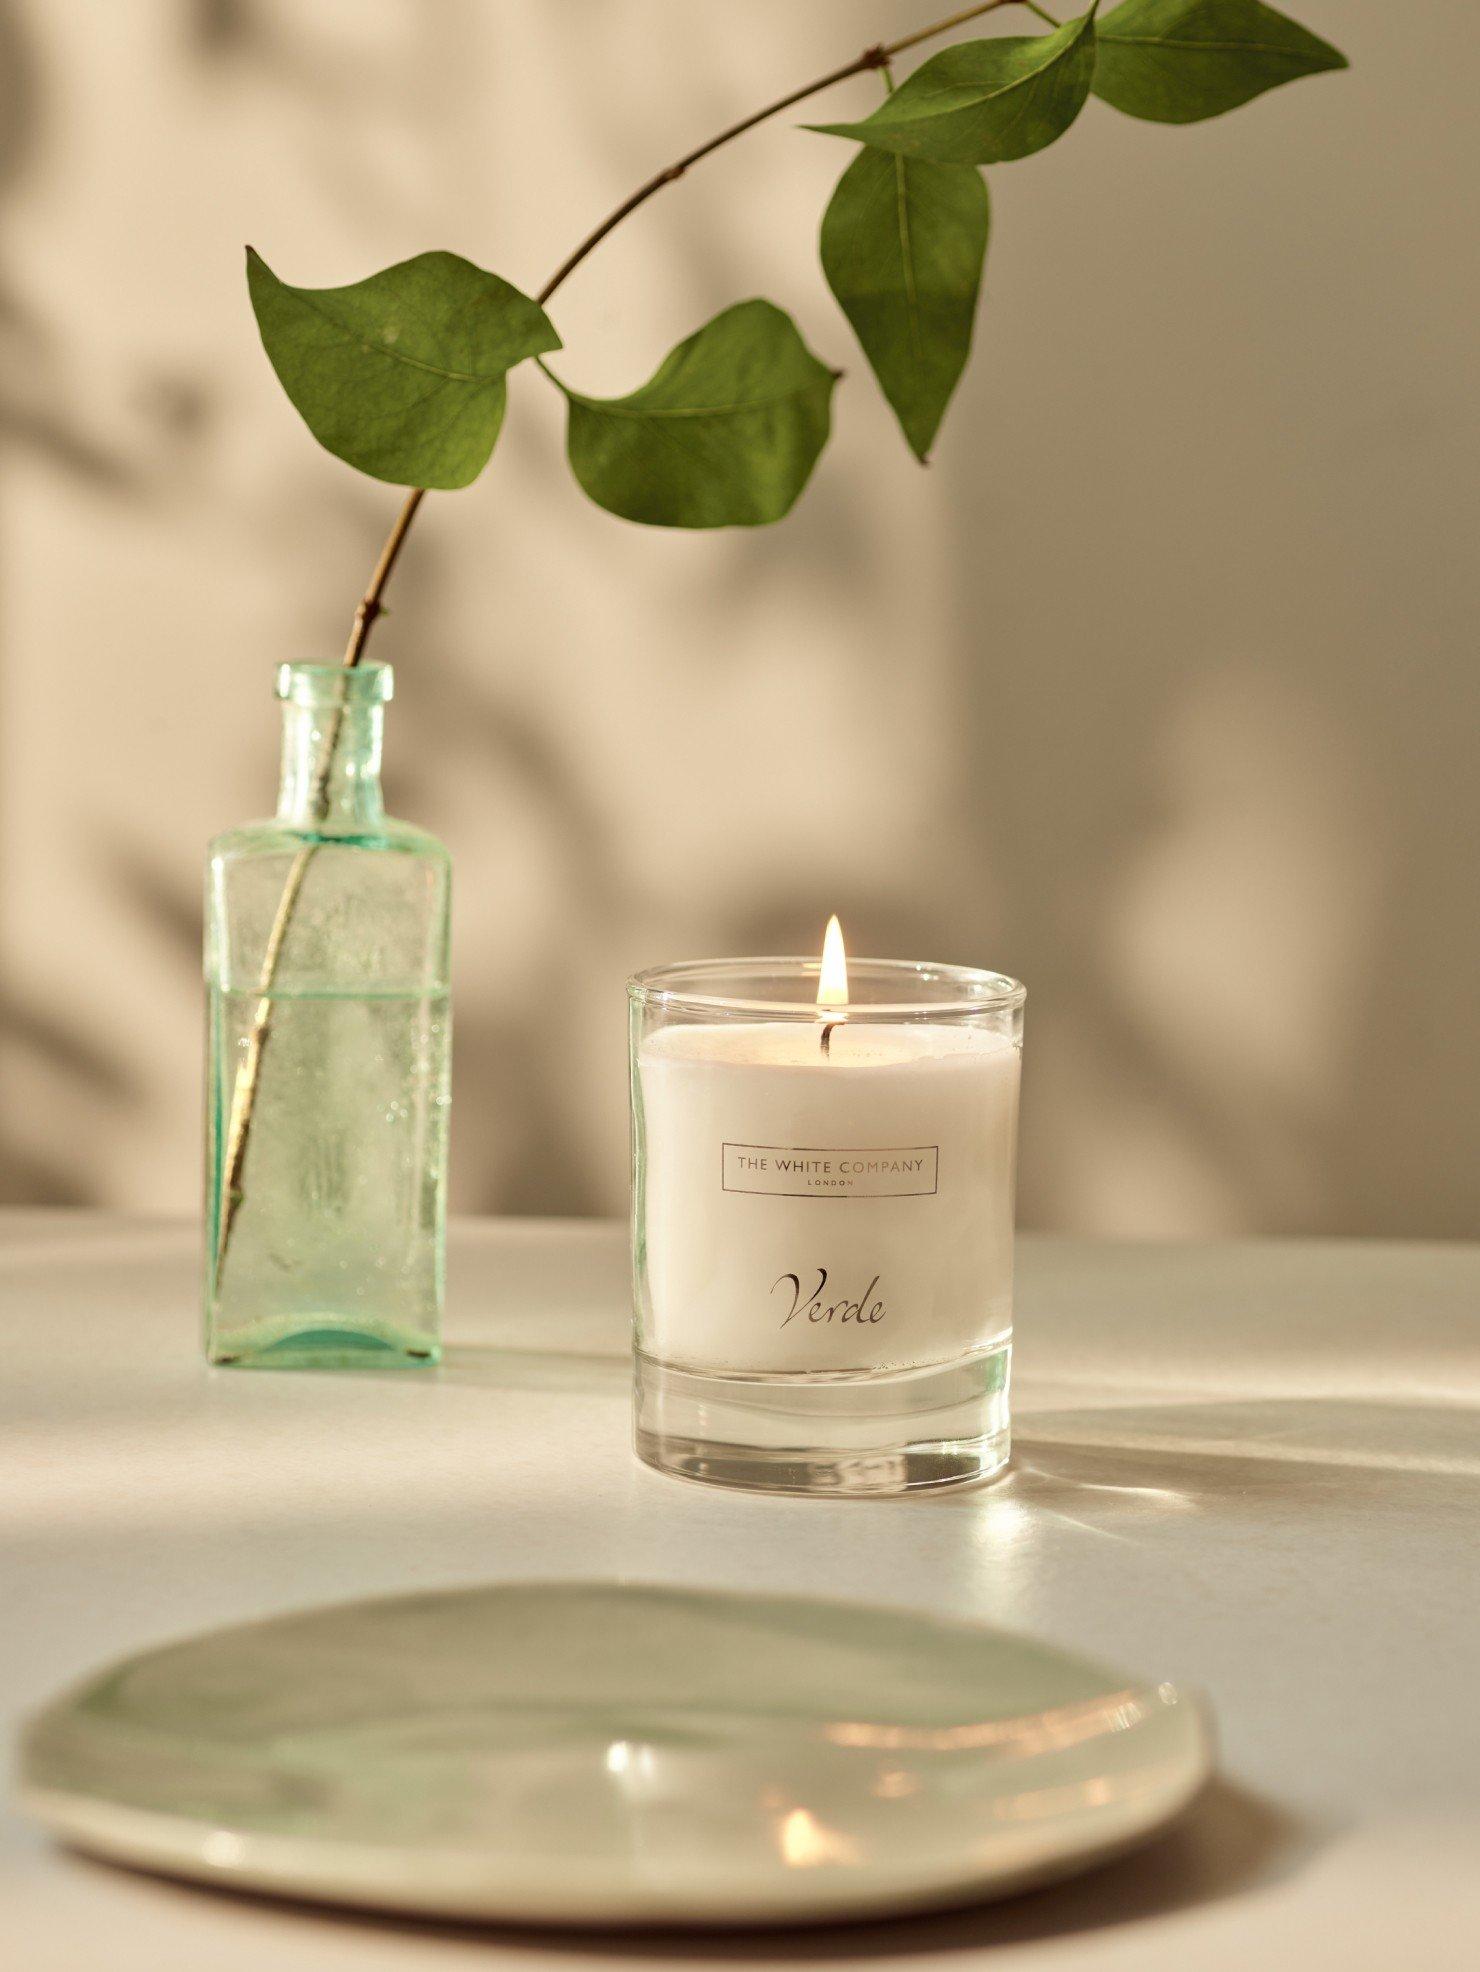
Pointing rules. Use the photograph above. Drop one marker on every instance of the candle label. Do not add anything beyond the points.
(807, 1171)
(739, 1130)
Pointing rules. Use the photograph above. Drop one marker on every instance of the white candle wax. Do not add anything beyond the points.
(847, 1210)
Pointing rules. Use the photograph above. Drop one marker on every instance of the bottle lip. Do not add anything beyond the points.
(335, 684)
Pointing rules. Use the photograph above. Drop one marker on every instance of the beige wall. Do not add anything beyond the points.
(1157, 689)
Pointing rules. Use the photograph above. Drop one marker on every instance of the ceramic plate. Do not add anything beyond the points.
(579, 1753)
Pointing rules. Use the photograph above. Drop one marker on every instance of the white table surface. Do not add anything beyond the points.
(1253, 1467)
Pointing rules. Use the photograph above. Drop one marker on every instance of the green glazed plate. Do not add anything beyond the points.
(584, 1753)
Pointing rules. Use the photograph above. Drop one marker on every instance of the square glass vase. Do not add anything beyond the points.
(326, 967)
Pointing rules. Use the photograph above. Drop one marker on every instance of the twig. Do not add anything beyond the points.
(370, 606)
(876, 57)
(249, 1070)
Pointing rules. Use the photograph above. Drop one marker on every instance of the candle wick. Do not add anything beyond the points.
(827, 1033)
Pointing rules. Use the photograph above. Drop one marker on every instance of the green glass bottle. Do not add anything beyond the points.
(326, 954)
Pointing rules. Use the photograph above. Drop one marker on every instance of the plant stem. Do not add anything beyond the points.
(249, 1070)
(871, 58)
(876, 57)
(370, 605)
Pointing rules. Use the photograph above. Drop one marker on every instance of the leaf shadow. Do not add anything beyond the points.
(65, 1067)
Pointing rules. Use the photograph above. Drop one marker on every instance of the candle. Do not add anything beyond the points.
(824, 1203)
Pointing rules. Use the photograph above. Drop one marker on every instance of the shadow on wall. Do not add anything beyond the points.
(1164, 768)
(68, 1084)
(1242, 926)
(50, 1070)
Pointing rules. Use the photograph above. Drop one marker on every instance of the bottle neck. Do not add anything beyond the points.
(331, 766)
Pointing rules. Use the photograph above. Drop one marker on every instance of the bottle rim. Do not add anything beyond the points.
(335, 684)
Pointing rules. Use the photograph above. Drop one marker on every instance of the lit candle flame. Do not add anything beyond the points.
(832, 987)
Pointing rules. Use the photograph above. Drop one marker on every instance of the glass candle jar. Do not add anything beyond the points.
(823, 1223)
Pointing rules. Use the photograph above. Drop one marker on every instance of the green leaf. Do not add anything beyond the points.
(1178, 61)
(725, 434)
(903, 240)
(984, 102)
(401, 375)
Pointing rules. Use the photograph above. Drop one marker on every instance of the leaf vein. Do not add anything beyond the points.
(389, 352)
(907, 259)
(1209, 47)
(612, 408)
